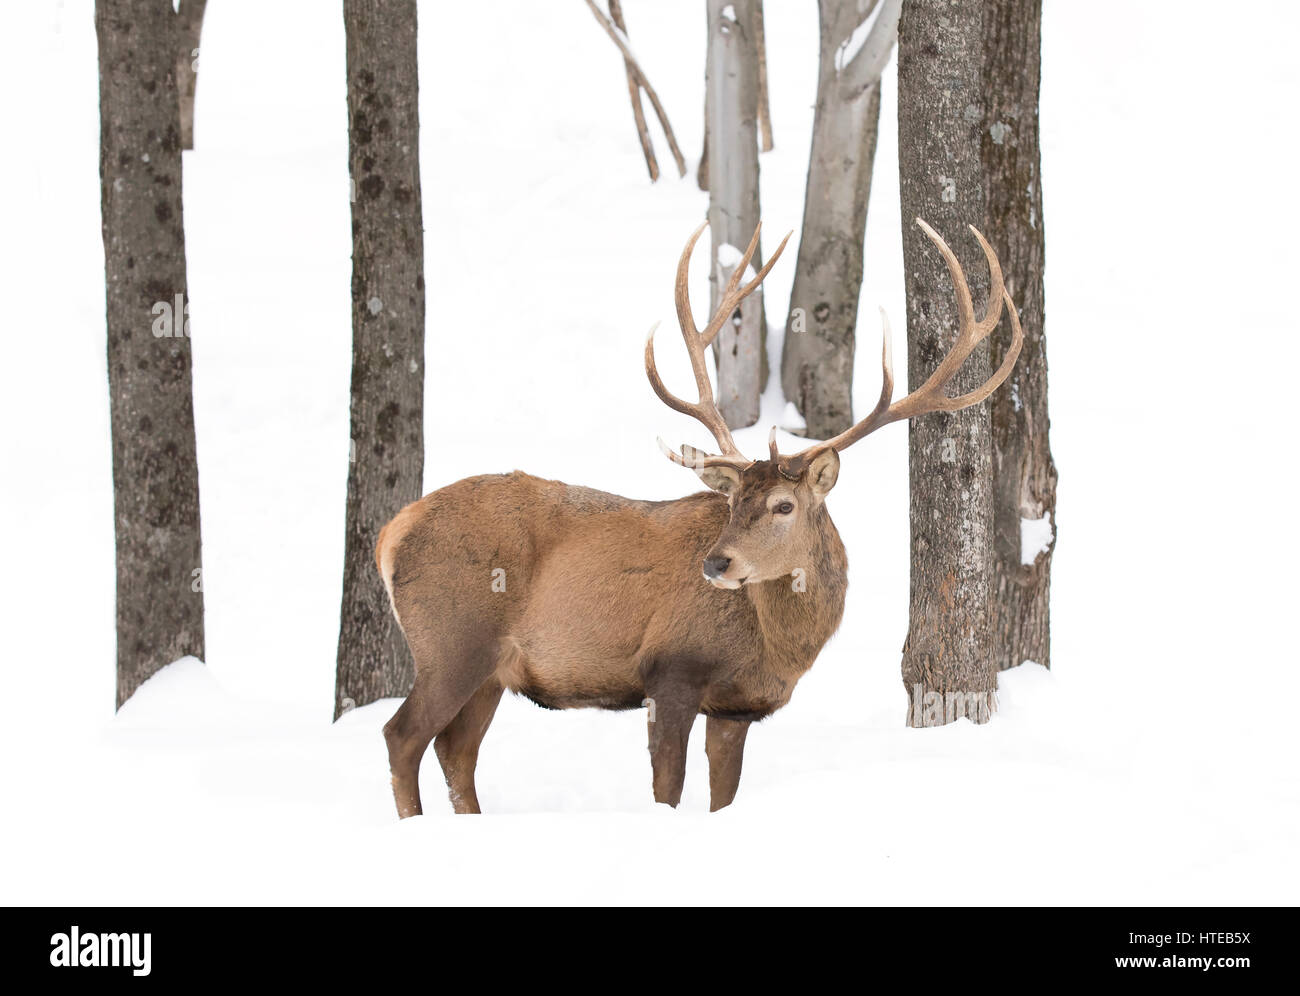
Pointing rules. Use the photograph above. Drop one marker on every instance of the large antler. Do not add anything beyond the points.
(705, 411)
(931, 396)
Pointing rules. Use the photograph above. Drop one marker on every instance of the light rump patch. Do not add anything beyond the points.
(390, 538)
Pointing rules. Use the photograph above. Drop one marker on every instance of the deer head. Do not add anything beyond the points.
(777, 510)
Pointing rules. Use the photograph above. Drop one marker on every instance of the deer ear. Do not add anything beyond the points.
(823, 472)
(722, 479)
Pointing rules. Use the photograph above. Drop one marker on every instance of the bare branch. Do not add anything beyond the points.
(867, 63)
(630, 62)
(634, 92)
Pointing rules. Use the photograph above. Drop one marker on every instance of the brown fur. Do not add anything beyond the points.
(708, 604)
(604, 606)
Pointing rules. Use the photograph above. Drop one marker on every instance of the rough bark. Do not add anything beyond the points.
(731, 115)
(190, 14)
(1024, 476)
(387, 420)
(947, 660)
(817, 362)
(155, 467)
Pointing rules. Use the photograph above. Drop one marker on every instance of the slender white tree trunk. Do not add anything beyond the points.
(817, 362)
(732, 120)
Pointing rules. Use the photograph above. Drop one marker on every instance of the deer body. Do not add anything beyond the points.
(577, 598)
(716, 603)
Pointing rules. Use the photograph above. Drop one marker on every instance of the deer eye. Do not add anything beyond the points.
(785, 508)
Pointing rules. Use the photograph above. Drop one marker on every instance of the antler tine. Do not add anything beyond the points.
(997, 289)
(711, 330)
(681, 290)
(657, 384)
(930, 396)
(731, 297)
(882, 414)
(705, 410)
(969, 332)
(886, 372)
(1004, 371)
(698, 459)
(965, 308)
(707, 415)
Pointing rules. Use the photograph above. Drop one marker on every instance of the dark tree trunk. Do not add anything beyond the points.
(732, 122)
(817, 363)
(155, 467)
(386, 472)
(947, 661)
(1024, 476)
(190, 15)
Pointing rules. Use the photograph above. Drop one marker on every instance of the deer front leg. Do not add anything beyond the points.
(724, 743)
(672, 709)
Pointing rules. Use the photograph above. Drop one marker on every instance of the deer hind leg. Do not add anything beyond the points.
(724, 743)
(457, 745)
(438, 695)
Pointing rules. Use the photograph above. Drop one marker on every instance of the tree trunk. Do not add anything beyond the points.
(190, 15)
(702, 170)
(947, 660)
(817, 362)
(155, 467)
(731, 113)
(1024, 476)
(387, 422)
(764, 103)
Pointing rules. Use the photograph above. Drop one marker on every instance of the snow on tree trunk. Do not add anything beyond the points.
(155, 468)
(817, 362)
(731, 98)
(1024, 476)
(947, 660)
(387, 423)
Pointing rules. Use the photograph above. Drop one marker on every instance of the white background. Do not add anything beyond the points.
(1153, 764)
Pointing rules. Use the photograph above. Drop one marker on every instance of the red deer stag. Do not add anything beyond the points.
(715, 603)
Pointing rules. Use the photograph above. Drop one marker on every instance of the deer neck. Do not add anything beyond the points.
(798, 613)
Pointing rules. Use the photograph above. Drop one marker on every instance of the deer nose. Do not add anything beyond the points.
(715, 567)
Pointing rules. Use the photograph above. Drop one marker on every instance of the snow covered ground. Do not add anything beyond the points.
(1153, 764)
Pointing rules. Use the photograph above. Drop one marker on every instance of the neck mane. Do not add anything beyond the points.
(797, 623)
